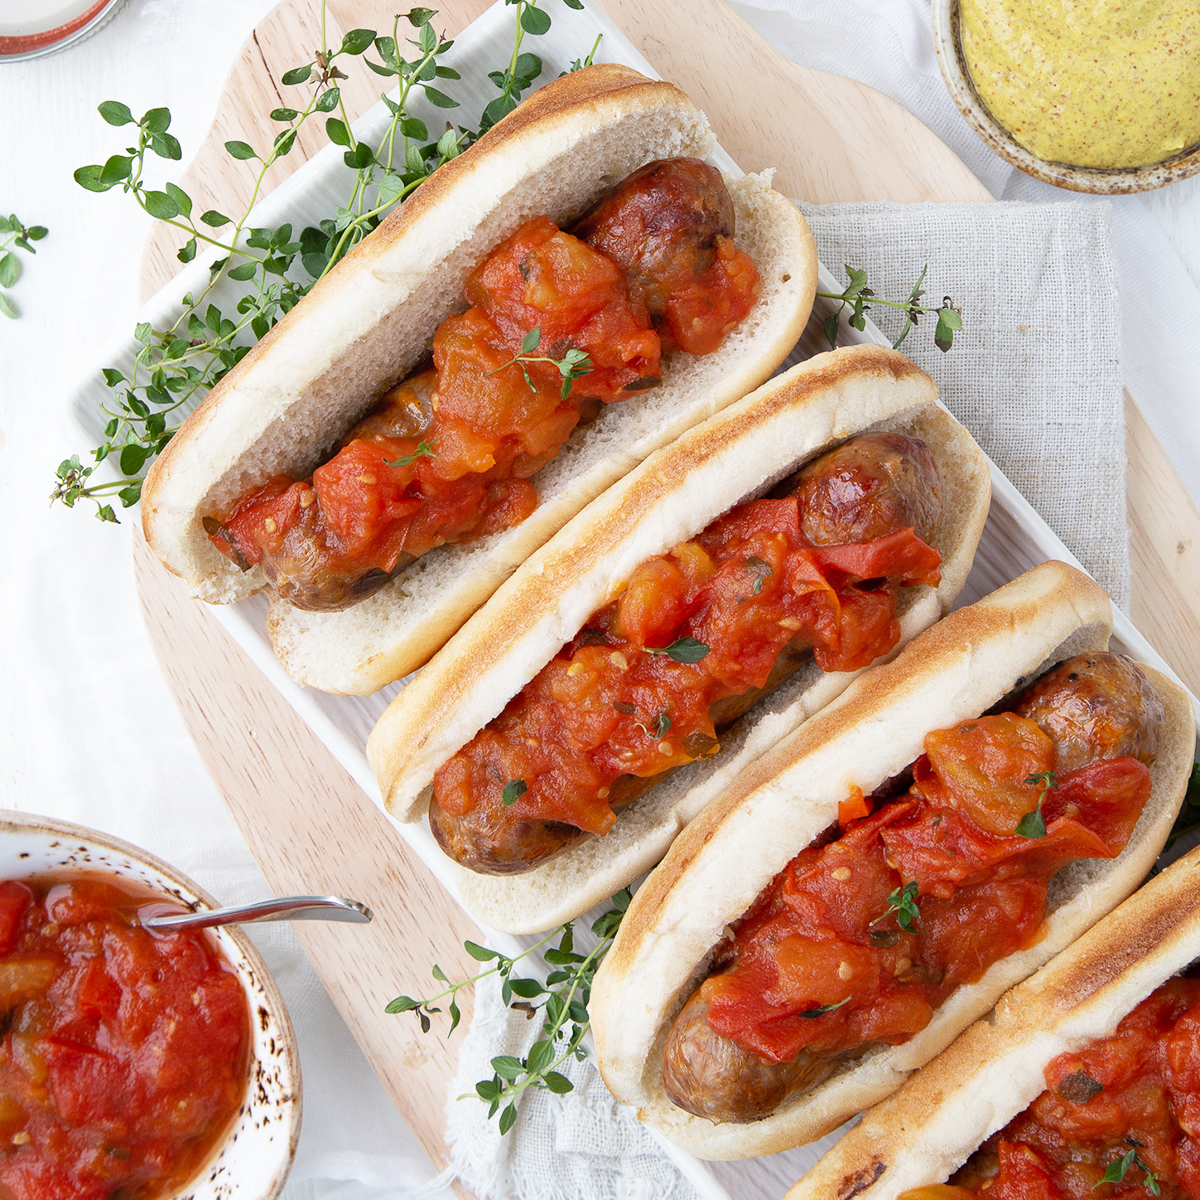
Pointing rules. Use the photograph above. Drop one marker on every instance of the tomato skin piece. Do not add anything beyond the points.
(14, 899)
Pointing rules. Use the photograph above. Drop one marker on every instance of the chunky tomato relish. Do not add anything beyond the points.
(858, 941)
(1119, 1118)
(455, 467)
(124, 1055)
(639, 688)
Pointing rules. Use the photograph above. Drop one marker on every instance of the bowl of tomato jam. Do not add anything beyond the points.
(134, 1064)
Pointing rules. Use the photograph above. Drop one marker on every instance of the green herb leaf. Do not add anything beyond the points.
(10, 270)
(423, 449)
(682, 650)
(513, 791)
(157, 120)
(214, 219)
(338, 134)
(284, 114)
(813, 1013)
(116, 113)
(533, 20)
(296, 75)
(903, 902)
(327, 101)
(160, 205)
(1033, 824)
(115, 169)
(183, 202)
(240, 150)
(8, 308)
(558, 1084)
(357, 40)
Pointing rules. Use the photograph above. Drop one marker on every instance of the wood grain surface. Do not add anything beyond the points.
(308, 825)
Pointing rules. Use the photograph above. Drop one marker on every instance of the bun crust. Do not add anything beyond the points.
(717, 867)
(671, 497)
(372, 319)
(930, 1127)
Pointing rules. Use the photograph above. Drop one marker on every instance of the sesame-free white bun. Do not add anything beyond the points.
(671, 497)
(371, 321)
(716, 868)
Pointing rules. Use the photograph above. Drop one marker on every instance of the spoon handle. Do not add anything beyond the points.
(282, 908)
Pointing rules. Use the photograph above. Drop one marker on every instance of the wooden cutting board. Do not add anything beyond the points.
(308, 825)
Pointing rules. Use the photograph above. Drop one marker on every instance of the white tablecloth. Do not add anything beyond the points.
(89, 730)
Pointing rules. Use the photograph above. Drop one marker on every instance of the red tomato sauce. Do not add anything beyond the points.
(461, 471)
(124, 1056)
(858, 941)
(632, 695)
(1127, 1107)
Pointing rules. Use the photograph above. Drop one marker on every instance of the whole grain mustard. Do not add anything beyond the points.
(1090, 83)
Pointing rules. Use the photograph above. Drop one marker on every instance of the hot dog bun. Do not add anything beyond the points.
(925, 1131)
(372, 319)
(718, 866)
(672, 496)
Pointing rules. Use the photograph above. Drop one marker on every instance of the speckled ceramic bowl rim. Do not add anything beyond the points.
(1115, 182)
(86, 849)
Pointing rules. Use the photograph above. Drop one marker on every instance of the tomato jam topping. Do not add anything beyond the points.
(858, 941)
(1119, 1118)
(649, 681)
(124, 1056)
(558, 325)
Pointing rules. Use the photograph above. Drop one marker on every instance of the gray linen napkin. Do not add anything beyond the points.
(1035, 376)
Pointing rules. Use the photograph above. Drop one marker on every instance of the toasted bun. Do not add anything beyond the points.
(671, 497)
(929, 1128)
(961, 667)
(372, 319)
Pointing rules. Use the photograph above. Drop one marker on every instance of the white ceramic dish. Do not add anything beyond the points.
(253, 1160)
(1014, 540)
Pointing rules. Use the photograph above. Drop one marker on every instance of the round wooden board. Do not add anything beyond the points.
(308, 825)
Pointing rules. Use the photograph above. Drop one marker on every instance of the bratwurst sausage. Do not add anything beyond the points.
(1095, 706)
(870, 486)
(490, 420)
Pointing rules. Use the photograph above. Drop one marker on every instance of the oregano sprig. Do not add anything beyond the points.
(14, 232)
(860, 297)
(562, 1001)
(177, 365)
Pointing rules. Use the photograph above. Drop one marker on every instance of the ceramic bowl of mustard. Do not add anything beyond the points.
(1091, 95)
(130, 1064)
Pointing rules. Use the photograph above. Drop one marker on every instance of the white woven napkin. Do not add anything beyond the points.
(1035, 376)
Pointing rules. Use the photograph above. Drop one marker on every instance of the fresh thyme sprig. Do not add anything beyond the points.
(1033, 824)
(860, 297)
(1116, 1170)
(903, 902)
(14, 233)
(177, 365)
(571, 366)
(563, 1002)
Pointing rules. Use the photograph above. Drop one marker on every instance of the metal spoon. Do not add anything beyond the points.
(283, 908)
